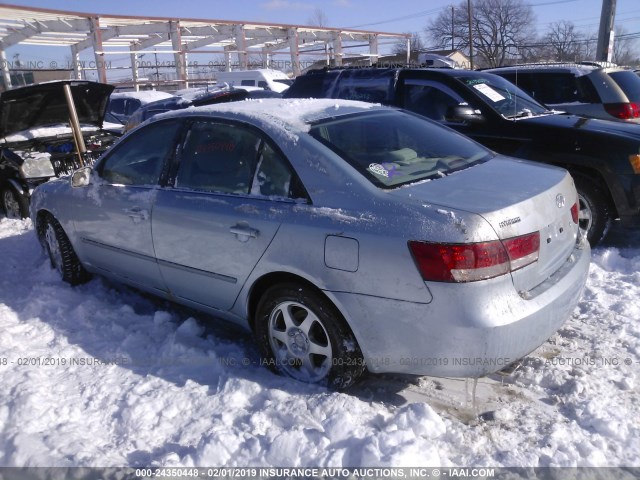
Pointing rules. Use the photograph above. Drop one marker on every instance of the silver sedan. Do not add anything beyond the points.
(345, 236)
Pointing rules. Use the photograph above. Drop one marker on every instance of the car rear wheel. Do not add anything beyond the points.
(594, 211)
(14, 204)
(302, 335)
(61, 254)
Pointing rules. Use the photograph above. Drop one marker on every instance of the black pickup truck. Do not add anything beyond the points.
(603, 156)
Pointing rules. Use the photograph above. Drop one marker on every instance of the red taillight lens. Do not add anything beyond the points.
(574, 213)
(522, 250)
(441, 262)
(623, 111)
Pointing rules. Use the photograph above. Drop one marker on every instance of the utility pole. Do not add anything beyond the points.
(604, 49)
(470, 12)
(452, 30)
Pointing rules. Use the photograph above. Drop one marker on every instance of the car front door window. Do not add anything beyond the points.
(429, 100)
(140, 159)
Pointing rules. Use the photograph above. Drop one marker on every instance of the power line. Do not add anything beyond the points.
(397, 19)
(551, 3)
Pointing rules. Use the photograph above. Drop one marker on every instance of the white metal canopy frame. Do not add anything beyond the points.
(115, 34)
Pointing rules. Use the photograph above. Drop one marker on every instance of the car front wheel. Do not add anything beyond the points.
(14, 204)
(302, 335)
(61, 254)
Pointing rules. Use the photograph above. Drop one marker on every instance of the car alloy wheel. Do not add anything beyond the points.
(585, 215)
(302, 335)
(594, 211)
(300, 342)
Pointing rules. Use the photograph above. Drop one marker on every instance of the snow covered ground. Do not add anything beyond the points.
(103, 375)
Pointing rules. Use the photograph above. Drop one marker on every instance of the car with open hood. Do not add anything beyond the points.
(48, 130)
(346, 236)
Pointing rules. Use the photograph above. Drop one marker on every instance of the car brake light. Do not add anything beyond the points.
(442, 262)
(574, 213)
(623, 111)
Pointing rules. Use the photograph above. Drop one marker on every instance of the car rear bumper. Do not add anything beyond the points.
(479, 329)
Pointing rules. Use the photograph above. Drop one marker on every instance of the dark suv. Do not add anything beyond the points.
(603, 156)
(610, 93)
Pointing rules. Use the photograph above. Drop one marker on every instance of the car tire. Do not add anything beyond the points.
(302, 335)
(594, 210)
(62, 256)
(14, 204)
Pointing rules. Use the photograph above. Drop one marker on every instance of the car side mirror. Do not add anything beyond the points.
(463, 114)
(81, 177)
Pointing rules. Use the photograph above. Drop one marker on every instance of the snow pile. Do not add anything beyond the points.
(103, 375)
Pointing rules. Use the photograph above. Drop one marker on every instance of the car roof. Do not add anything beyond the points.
(295, 113)
(578, 69)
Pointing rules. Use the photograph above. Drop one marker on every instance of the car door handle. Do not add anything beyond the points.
(137, 213)
(244, 230)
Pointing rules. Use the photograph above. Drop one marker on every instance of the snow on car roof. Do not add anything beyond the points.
(145, 96)
(296, 113)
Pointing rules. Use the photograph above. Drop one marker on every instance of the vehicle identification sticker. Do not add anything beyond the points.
(379, 170)
(489, 92)
(388, 170)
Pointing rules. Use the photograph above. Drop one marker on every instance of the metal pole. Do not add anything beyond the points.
(452, 29)
(604, 49)
(470, 12)
(75, 124)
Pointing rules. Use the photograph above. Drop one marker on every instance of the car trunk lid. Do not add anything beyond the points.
(516, 198)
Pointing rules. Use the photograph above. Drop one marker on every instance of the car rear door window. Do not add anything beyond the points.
(366, 86)
(140, 159)
(218, 157)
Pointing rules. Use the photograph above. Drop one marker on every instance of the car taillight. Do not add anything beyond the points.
(522, 250)
(443, 262)
(623, 111)
(574, 213)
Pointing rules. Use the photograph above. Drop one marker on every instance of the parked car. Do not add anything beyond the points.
(342, 234)
(610, 93)
(37, 142)
(124, 104)
(196, 97)
(602, 156)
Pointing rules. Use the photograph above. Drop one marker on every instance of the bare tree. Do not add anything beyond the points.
(318, 18)
(588, 46)
(416, 44)
(563, 42)
(625, 50)
(501, 28)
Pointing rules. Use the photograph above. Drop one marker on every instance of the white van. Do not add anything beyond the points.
(266, 78)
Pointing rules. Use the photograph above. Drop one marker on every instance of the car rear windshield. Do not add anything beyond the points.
(629, 82)
(393, 148)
